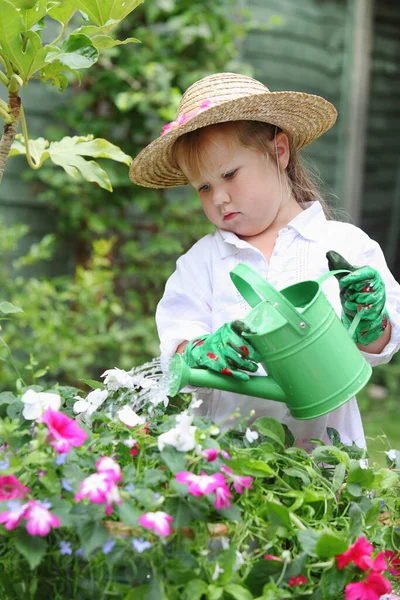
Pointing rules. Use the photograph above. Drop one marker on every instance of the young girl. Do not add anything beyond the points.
(237, 144)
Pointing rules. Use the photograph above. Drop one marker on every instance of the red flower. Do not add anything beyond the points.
(372, 588)
(134, 450)
(359, 553)
(299, 580)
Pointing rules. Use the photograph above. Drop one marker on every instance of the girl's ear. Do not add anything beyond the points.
(281, 149)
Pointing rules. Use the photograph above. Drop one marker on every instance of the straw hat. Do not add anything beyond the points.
(230, 97)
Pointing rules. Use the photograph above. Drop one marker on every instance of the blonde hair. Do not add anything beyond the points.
(188, 149)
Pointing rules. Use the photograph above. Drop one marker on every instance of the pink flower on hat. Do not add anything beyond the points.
(184, 117)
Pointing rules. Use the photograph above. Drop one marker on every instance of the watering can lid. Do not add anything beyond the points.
(255, 289)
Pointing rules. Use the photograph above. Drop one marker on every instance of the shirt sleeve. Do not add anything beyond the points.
(373, 256)
(184, 311)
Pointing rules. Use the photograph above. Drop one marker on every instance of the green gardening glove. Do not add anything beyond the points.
(224, 351)
(362, 289)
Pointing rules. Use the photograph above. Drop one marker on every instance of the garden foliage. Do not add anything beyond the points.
(137, 499)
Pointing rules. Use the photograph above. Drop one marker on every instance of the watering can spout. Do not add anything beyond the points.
(180, 375)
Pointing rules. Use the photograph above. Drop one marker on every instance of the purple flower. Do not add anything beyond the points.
(44, 504)
(108, 546)
(4, 464)
(130, 487)
(225, 455)
(60, 459)
(80, 552)
(65, 548)
(140, 545)
(65, 484)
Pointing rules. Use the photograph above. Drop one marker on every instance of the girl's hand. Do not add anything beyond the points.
(362, 289)
(224, 351)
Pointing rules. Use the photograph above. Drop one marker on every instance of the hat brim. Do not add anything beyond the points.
(304, 117)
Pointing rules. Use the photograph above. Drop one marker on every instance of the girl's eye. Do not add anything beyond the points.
(230, 174)
(204, 188)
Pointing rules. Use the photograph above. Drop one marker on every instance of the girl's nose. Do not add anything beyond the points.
(221, 197)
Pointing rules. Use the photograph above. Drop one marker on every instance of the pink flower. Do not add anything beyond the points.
(184, 117)
(109, 466)
(11, 488)
(159, 522)
(225, 455)
(372, 588)
(39, 520)
(379, 563)
(299, 580)
(63, 431)
(13, 517)
(239, 481)
(112, 496)
(272, 557)
(210, 454)
(95, 488)
(198, 485)
(359, 553)
(222, 493)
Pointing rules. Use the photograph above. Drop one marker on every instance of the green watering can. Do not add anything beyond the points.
(313, 364)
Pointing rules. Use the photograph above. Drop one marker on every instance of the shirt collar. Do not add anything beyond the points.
(307, 224)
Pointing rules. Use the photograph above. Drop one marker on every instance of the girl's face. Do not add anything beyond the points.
(240, 189)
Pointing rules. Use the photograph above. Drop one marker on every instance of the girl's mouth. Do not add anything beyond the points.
(230, 216)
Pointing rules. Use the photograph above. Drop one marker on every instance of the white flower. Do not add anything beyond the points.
(392, 455)
(130, 442)
(251, 436)
(239, 560)
(363, 462)
(182, 437)
(224, 543)
(92, 402)
(37, 402)
(129, 417)
(217, 571)
(118, 378)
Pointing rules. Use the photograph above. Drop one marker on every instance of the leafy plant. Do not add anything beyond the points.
(24, 56)
(142, 499)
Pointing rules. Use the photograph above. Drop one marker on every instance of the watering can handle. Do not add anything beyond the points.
(255, 289)
(358, 316)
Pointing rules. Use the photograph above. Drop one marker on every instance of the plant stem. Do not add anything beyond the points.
(9, 130)
(29, 158)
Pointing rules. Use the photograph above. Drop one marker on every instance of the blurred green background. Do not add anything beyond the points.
(88, 267)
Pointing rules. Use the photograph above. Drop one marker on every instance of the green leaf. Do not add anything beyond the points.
(385, 479)
(128, 513)
(333, 435)
(101, 13)
(261, 573)
(278, 515)
(250, 466)
(68, 154)
(271, 429)
(32, 548)
(332, 583)
(32, 14)
(64, 11)
(233, 513)
(156, 590)
(214, 592)
(7, 308)
(308, 539)
(174, 460)
(356, 520)
(238, 592)
(338, 476)
(92, 536)
(330, 455)
(358, 475)
(194, 590)
(76, 52)
(329, 545)
(95, 385)
(100, 40)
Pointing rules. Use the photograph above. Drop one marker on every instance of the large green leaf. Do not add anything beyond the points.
(32, 14)
(100, 40)
(68, 154)
(103, 13)
(31, 547)
(7, 308)
(64, 11)
(11, 26)
(76, 52)
(26, 58)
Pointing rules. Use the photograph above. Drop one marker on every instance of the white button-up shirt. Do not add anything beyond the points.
(200, 297)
